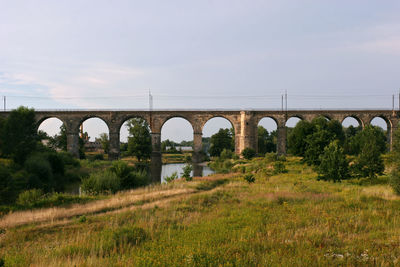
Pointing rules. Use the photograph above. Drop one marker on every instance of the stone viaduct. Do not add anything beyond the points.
(244, 122)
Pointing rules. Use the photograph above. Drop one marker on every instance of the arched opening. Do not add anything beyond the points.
(351, 121)
(94, 137)
(176, 140)
(292, 121)
(267, 135)
(135, 139)
(218, 134)
(351, 126)
(176, 147)
(52, 133)
(386, 127)
(380, 122)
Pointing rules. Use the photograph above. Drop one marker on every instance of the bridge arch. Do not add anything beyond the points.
(267, 141)
(352, 119)
(213, 124)
(293, 120)
(382, 122)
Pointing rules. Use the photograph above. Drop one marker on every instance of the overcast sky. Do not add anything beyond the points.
(199, 54)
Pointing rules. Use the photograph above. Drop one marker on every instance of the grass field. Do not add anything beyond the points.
(289, 219)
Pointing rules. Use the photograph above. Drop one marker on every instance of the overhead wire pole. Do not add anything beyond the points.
(4, 102)
(282, 102)
(286, 100)
(150, 101)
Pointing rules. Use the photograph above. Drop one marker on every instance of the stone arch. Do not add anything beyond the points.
(299, 117)
(385, 119)
(177, 116)
(360, 121)
(51, 126)
(269, 147)
(232, 125)
(44, 118)
(86, 118)
(120, 123)
(214, 117)
(93, 116)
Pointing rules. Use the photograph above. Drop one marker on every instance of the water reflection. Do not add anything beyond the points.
(198, 170)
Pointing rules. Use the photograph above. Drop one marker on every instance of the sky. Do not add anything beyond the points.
(206, 54)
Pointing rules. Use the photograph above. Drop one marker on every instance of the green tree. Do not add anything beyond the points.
(59, 141)
(356, 142)
(220, 141)
(105, 142)
(309, 139)
(334, 165)
(19, 129)
(395, 158)
(266, 142)
(139, 140)
(369, 162)
(297, 136)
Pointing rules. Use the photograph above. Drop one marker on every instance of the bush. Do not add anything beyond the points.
(369, 162)
(187, 169)
(248, 153)
(334, 165)
(30, 198)
(101, 183)
(129, 177)
(40, 172)
(279, 167)
(129, 236)
(249, 178)
(171, 178)
(271, 156)
(226, 154)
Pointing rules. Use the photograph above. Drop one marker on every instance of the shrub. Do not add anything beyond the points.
(129, 236)
(271, 156)
(248, 153)
(187, 169)
(171, 178)
(369, 162)
(6, 188)
(279, 167)
(30, 198)
(226, 154)
(334, 165)
(249, 178)
(101, 182)
(40, 172)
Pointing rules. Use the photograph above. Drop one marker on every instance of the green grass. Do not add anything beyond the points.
(287, 219)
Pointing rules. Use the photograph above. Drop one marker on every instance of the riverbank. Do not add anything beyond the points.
(287, 219)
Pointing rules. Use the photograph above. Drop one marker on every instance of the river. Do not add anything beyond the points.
(169, 169)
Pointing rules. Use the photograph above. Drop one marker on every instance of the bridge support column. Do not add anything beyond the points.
(114, 148)
(281, 140)
(73, 143)
(156, 162)
(197, 148)
(248, 134)
(391, 130)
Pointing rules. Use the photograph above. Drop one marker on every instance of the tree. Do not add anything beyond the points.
(369, 162)
(296, 139)
(334, 165)
(105, 142)
(59, 141)
(309, 139)
(19, 129)
(220, 141)
(356, 142)
(139, 139)
(395, 158)
(266, 142)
